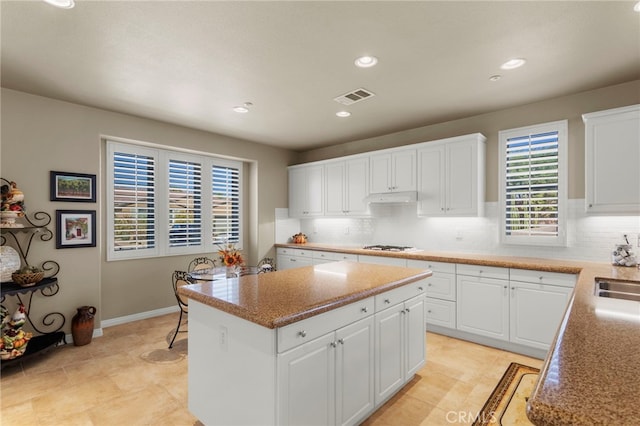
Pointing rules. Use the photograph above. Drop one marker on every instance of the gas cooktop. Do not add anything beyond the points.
(381, 247)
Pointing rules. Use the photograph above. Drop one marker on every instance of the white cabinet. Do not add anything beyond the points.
(306, 193)
(451, 176)
(537, 305)
(612, 151)
(346, 187)
(483, 301)
(440, 301)
(393, 171)
(399, 344)
(288, 258)
(340, 367)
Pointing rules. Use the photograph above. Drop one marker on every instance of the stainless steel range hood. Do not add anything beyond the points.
(393, 197)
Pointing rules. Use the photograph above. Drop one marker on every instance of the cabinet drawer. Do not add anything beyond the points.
(441, 286)
(293, 252)
(399, 295)
(333, 256)
(382, 260)
(483, 271)
(308, 329)
(440, 312)
(540, 277)
(449, 268)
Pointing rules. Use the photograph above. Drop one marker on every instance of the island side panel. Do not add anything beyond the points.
(232, 368)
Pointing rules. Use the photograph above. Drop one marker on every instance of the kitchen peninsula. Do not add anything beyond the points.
(323, 344)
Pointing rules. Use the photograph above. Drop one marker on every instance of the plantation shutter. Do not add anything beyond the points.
(185, 203)
(134, 209)
(225, 197)
(532, 185)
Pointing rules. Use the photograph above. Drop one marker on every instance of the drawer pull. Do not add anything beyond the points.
(387, 301)
(407, 310)
(365, 310)
(541, 278)
(334, 344)
(341, 341)
(429, 311)
(420, 288)
(302, 333)
(429, 284)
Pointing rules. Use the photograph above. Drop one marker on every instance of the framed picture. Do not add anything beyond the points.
(75, 228)
(72, 187)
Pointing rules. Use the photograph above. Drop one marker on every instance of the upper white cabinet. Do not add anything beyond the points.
(612, 151)
(393, 171)
(306, 193)
(451, 176)
(346, 187)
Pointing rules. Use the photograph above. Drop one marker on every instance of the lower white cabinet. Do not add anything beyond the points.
(400, 351)
(382, 260)
(483, 306)
(440, 301)
(537, 307)
(320, 257)
(330, 379)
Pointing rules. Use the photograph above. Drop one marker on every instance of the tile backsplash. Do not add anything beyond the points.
(589, 237)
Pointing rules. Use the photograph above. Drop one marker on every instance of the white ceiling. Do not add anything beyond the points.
(190, 62)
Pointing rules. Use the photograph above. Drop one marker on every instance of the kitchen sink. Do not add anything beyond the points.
(627, 290)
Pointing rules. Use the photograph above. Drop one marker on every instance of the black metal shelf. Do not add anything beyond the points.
(49, 328)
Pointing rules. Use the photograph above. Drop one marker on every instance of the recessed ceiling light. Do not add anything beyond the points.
(62, 4)
(241, 109)
(636, 7)
(513, 63)
(495, 77)
(366, 61)
(343, 114)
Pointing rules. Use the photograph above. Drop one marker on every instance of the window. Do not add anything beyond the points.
(533, 184)
(158, 203)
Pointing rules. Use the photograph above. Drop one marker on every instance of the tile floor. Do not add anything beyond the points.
(129, 377)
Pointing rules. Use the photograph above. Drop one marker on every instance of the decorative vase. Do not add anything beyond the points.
(82, 325)
(232, 271)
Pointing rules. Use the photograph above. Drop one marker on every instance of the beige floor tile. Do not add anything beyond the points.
(130, 377)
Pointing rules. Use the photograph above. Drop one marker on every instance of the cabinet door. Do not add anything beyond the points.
(380, 173)
(290, 262)
(334, 189)
(483, 306)
(415, 336)
(306, 383)
(536, 311)
(315, 194)
(389, 375)
(297, 192)
(431, 187)
(403, 169)
(354, 372)
(356, 187)
(462, 178)
(612, 150)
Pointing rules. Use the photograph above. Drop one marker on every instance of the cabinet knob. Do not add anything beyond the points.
(505, 287)
(341, 341)
(387, 301)
(429, 311)
(420, 288)
(429, 284)
(407, 310)
(365, 310)
(590, 205)
(541, 278)
(334, 344)
(302, 333)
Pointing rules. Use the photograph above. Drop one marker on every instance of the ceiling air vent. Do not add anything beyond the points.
(354, 96)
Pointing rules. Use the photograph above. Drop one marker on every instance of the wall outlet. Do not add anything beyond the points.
(346, 230)
(224, 338)
(459, 235)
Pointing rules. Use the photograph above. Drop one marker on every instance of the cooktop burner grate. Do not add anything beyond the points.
(381, 247)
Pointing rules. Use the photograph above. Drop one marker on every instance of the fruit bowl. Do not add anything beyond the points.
(27, 279)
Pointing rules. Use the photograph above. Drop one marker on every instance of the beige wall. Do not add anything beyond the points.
(41, 134)
(568, 107)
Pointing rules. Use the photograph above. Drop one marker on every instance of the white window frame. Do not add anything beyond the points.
(161, 227)
(559, 240)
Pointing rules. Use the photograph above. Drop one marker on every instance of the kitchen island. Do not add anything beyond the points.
(324, 344)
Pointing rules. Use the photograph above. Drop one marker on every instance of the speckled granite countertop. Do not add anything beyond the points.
(279, 298)
(592, 372)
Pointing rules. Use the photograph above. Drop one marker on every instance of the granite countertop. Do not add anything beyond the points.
(592, 372)
(276, 299)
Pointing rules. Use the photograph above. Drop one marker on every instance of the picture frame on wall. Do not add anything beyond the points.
(75, 228)
(77, 187)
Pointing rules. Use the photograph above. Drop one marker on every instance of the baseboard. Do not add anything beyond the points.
(97, 332)
(139, 316)
(487, 341)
